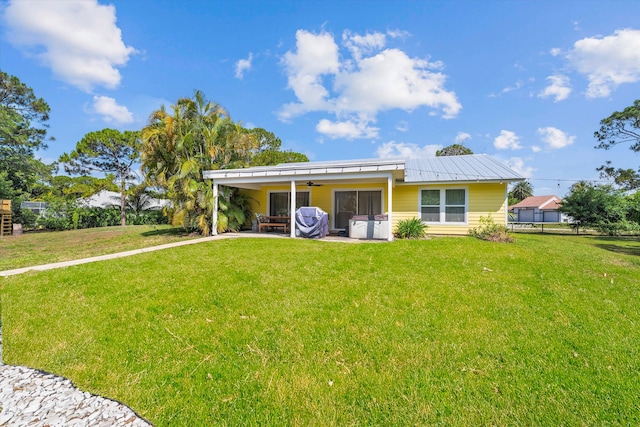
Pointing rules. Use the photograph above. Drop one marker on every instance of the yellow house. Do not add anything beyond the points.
(449, 194)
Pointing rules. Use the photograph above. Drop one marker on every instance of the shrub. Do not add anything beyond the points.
(66, 216)
(56, 216)
(616, 228)
(489, 230)
(412, 228)
(150, 217)
(26, 217)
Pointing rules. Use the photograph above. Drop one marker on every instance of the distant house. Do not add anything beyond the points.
(538, 209)
(37, 208)
(106, 199)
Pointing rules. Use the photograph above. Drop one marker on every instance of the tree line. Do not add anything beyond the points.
(177, 144)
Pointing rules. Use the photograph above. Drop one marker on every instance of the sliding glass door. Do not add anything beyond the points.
(279, 202)
(355, 202)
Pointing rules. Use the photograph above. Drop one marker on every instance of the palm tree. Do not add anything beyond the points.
(520, 191)
(177, 147)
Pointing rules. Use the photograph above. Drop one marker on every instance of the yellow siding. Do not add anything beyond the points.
(482, 200)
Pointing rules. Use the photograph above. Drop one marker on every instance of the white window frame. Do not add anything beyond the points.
(356, 189)
(288, 197)
(443, 206)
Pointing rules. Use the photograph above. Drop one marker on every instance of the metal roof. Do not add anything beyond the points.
(309, 168)
(468, 168)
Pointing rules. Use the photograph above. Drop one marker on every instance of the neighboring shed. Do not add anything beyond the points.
(539, 209)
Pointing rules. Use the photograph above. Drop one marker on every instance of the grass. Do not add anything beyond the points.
(447, 331)
(35, 248)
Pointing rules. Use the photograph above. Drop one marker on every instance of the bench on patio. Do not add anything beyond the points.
(266, 222)
(266, 225)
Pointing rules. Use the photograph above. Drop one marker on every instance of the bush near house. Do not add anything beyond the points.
(489, 230)
(412, 228)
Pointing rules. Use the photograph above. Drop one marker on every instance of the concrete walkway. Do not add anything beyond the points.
(7, 273)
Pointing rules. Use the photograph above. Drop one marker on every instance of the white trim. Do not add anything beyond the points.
(443, 205)
(290, 170)
(390, 210)
(286, 178)
(506, 204)
(292, 208)
(345, 189)
(552, 199)
(214, 216)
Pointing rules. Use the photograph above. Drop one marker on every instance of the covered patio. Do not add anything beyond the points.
(340, 188)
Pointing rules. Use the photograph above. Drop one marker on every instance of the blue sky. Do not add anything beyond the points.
(524, 81)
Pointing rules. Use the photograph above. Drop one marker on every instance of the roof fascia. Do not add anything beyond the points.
(307, 169)
(551, 199)
(455, 182)
(300, 177)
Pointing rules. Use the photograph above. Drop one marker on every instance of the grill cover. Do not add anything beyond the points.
(312, 222)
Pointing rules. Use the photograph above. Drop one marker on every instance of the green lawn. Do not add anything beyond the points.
(447, 331)
(36, 248)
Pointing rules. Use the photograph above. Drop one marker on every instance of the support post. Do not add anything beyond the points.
(214, 215)
(390, 205)
(292, 210)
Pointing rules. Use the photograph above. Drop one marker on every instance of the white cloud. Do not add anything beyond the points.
(607, 62)
(359, 44)
(536, 148)
(78, 39)
(559, 88)
(461, 137)
(517, 164)
(316, 55)
(111, 111)
(243, 65)
(403, 126)
(507, 140)
(517, 86)
(368, 82)
(555, 51)
(392, 80)
(346, 129)
(392, 149)
(555, 138)
(401, 34)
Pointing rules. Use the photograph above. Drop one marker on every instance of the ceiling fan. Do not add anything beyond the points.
(313, 184)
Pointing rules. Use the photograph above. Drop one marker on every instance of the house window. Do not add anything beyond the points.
(279, 202)
(355, 202)
(430, 205)
(444, 205)
(455, 203)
